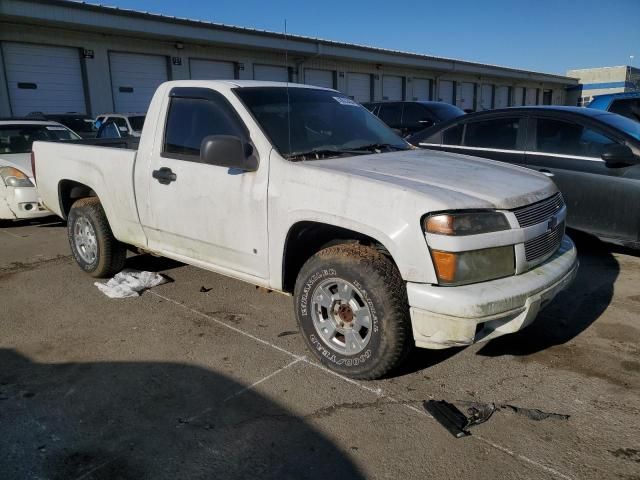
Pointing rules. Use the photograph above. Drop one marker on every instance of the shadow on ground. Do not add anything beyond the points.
(574, 309)
(151, 263)
(44, 222)
(150, 421)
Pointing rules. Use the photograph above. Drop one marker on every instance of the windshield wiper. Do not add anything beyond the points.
(319, 153)
(377, 147)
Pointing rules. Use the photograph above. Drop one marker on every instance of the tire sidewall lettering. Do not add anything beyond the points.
(303, 305)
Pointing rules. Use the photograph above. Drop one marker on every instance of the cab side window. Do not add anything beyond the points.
(416, 116)
(453, 135)
(499, 133)
(391, 114)
(560, 137)
(190, 120)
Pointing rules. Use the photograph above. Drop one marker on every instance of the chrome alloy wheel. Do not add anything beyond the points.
(84, 238)
(341, 316)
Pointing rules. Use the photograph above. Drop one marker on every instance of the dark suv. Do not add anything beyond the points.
(407, 118)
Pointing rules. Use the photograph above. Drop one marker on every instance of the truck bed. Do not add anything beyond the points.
(104, 166)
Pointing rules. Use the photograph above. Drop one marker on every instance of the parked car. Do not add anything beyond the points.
(18, 196)
(407, 118)
(593, 157)
(129, 123)
(109, 129)
(625, 104)
(80, 124)
(302, 190)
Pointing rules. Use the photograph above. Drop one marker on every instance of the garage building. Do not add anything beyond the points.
(59, 56)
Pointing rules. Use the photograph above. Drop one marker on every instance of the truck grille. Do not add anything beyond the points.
(544, 245)
(539, 212)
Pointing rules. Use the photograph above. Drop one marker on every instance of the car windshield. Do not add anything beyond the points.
(137, 122)
(444, 111)
(319, 123)
(622, 123)
(19, 138)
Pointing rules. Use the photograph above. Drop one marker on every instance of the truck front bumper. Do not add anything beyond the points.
(21, 202)
(445, 317)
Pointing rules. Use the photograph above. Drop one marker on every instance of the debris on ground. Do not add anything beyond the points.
(203, 289)
(454, 420)
(287, 332)
(534, 413)
(458, 423)
(129, 283)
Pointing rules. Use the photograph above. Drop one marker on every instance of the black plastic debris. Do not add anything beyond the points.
(534, 413)
(454, 420)
(205, 290)
(287, 332)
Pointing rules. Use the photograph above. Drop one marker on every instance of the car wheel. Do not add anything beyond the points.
(93, 245)
(351, 306)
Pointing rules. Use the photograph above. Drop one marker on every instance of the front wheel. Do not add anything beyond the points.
(93, 245)
(351, 306)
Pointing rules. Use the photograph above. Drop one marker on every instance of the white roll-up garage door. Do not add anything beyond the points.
(518, 96)
(502, 97)
(271, 73)
(319, 78)
(41, 78)
(211, 69)
(359, 86)
(532, 96)
(421, 89)
(391, 88)
(134, 79)
(445, 91)
(465, 95)
(486, 97)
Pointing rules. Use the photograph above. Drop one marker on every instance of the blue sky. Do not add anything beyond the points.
(544, 35)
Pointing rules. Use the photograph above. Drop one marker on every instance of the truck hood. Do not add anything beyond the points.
(458, 181)
(21, 161)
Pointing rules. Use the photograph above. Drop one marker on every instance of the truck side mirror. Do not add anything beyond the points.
(617, 154)
(228, 151)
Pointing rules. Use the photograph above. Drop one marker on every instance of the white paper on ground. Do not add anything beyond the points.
(128, 283)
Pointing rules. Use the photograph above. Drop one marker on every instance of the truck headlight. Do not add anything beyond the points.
(466, 223)
(461, 268)
(13, 177)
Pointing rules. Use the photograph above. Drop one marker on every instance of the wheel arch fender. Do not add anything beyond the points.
(308, 234)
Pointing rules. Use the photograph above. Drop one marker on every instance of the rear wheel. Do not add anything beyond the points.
(351, 305)
(93, 245)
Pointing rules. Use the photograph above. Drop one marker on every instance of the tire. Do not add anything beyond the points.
(361, 282)
(92, 243)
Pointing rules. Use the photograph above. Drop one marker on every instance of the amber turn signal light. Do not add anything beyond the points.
(445, 263)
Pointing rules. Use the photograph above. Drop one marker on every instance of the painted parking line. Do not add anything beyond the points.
(376, 391)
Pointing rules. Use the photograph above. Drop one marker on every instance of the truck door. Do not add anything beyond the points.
(210, 215)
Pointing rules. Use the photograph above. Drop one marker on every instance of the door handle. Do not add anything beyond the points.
(165, 176)
(546, 172)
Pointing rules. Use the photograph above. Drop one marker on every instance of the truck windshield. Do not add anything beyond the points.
(310, 123)
(18, 138)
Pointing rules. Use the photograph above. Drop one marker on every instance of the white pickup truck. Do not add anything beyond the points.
(300, 189)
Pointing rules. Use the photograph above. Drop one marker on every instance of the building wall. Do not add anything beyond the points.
(604, 80)
(98, 78)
